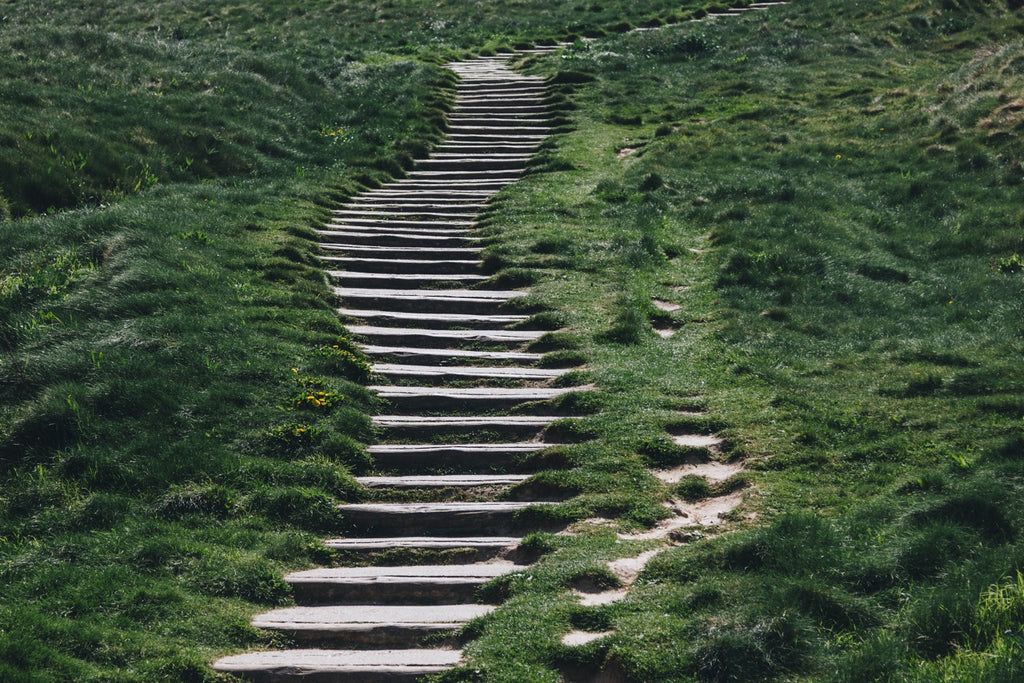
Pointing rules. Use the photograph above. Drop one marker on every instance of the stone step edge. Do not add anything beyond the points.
(328, 665)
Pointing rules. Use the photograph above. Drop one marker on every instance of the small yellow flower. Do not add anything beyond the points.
(295, 370)
(839, 156)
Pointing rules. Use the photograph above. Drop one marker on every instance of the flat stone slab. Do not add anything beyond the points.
(330, 666)
(438, 519)
(440, 572)
(479, 398)
(454, 294)
(423, 335)
(527, 394)
(469, 371)
(398, 239)
(442, 480)
(422, 543)
(392, 266)
(481, 422)
(417, 584)
(468, 457)
(479, 301)
(368, 279)
(415, 352)
(391, 252)
(374, 221)
(368, 624)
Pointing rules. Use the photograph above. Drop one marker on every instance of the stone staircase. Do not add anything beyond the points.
(466, 397)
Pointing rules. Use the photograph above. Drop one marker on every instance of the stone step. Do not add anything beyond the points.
(432, 330)
(436, 355)
(497, 119)
(448, 207)
(364, 222)
(493, 138)
(439, 519)
(404, 265)
(517, 426)
(481, 301)
(456, 162)
(402, 213)
(480, 546)
(467, 371)
(526, 148)
(412, 585)
(381, 252)
(332, 666)
(396, 239)
(474, 398)
(374, 626)
(462, 174)
(519, 88)
(451, 195)
(508, 132)
(467, 457)
(445, 338)
(351, 278)
(433, 481)
(448, 184)
(476, 105)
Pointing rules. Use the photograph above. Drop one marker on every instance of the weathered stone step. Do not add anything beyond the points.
(436, 355)
(368, 222)
(507, 174)
(471, 457)
(473, 398)
(414, 585)
(332, 666)
(433, 481)
(454, 205)
(439, 519)
(502, 91)
(482, 301)
(402, 212)
(523, 147)
(376, 626)
(502, 82)
(497, 120)
(466, 163)
(445, 338)
(493, 138)
(451, 195)
(468, 371)
(480, 153)
(519, 131)
(464, 105)
(350, 278)
(380, 252)
(521, 426)
(430, 325)
(396, 239)
(404, 265)
(450, 183)
(477, 545)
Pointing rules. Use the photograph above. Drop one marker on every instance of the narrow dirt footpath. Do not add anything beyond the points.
(450, 359)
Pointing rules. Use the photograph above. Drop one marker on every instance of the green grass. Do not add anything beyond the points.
(831, 192)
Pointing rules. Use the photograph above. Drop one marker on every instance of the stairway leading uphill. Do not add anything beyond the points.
(405, 262)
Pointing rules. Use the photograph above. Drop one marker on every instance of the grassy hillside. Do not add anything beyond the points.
(830, 191)
(832, 194)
